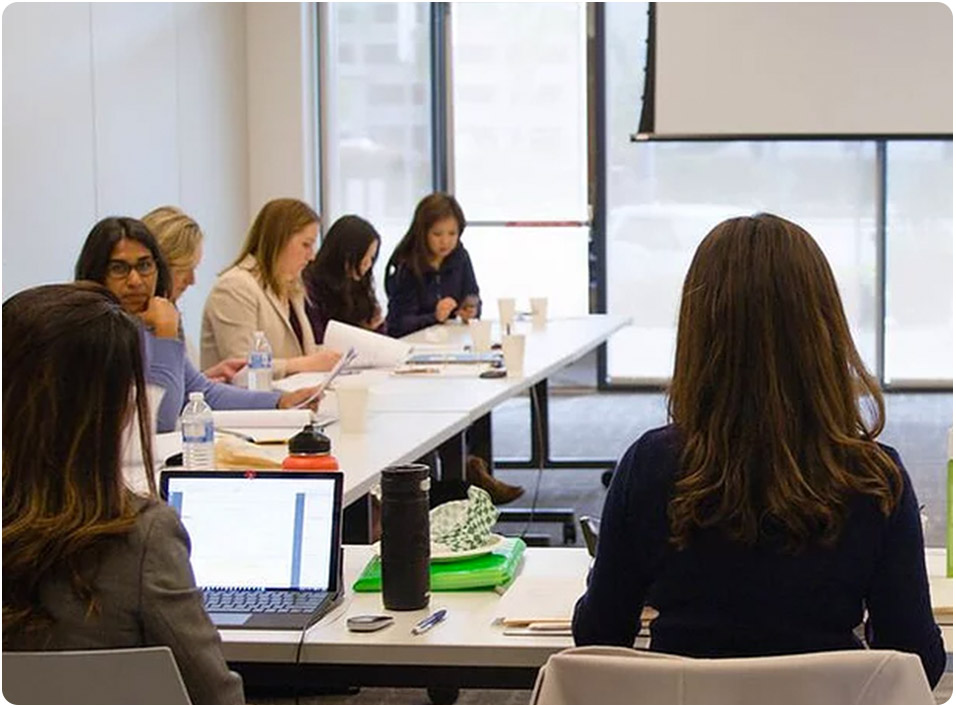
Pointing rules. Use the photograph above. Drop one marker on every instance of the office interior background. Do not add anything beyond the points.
(525, 111)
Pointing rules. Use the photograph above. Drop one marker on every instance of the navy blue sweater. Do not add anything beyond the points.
(718, 598)
(412, 301)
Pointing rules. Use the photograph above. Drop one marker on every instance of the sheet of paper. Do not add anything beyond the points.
(261, 418)
(374, 350)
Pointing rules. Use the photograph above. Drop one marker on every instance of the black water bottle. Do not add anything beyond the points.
(406, 545)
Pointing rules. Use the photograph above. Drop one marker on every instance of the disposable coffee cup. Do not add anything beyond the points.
(506, 312)
(513, 348)
(480, 335)
(352, 397)
(539, 312)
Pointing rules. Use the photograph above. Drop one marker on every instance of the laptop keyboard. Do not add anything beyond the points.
(242, 600)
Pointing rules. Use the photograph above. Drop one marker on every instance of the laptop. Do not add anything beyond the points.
(266, 545)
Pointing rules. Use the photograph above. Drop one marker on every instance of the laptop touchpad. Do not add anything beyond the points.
(229, 619)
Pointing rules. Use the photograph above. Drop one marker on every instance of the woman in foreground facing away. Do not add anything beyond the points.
(86, 563)
(339, 280)
(765, 518)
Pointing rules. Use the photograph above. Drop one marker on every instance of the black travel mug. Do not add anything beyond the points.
(406, 541)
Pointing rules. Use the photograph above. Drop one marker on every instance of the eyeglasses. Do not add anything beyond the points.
(120, 269)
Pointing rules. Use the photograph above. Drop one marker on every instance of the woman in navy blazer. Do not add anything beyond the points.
(766, 519)
(429, 277)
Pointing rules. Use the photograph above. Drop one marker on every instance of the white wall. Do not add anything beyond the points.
(283, 128)
(115, 108)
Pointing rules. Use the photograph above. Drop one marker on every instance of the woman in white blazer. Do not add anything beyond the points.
(263, 291)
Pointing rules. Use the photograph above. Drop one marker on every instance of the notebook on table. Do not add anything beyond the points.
(266, 545)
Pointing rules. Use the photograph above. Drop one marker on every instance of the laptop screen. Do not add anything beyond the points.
(260, 529)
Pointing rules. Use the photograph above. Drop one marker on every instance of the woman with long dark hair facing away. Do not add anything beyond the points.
(339, 282)
(766, 518)
(123, 255)
(429, 278)
(87, 564)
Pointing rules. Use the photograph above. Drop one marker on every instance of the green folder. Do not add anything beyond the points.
(486, 571)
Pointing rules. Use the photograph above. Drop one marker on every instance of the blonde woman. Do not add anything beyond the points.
(263, 291)
(180, 242)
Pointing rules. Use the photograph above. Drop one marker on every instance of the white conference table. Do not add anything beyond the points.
(547, 350)
(468, 646)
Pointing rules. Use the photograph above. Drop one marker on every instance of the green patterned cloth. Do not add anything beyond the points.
(461, 525)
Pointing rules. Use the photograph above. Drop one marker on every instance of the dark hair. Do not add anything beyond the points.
(273, 227)
(412, 252)
(95, 255)
(766, 393)
(72, 361)
(328, 278)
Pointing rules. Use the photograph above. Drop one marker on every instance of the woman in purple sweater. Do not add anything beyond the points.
(122, 255)
(766, 519)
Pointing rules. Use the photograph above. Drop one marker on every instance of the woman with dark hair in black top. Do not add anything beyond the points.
(339, 280)
(429, 278)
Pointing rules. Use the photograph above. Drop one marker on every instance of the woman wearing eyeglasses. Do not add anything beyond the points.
(122, 255)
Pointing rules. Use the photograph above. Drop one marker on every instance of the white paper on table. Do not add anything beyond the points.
(261, 418)
(374, 350)
(534, 599)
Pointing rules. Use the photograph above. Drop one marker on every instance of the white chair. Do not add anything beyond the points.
(144, 675)
(615, 675)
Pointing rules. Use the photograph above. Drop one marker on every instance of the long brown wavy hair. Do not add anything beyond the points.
(72, 378)
(273, 227)
(767, 393)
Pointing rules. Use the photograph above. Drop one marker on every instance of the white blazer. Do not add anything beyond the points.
(238, 306)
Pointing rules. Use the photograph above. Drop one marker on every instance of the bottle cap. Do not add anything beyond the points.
(194, 396)
(310, 441)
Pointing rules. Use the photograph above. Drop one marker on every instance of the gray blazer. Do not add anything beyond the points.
(147, 596)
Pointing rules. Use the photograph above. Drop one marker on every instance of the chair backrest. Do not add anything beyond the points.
(590, 526)
(144, 675)
(615, 675)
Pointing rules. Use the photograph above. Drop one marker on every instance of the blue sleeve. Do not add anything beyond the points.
(633, 524)
(900, 615)
(165, 365)
(221, 396)
(404, 306)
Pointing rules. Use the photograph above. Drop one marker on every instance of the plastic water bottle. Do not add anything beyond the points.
(260, 363)
(199, 450)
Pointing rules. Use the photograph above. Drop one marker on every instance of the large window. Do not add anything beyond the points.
(663, 198)
(519, 99)
(377, 121)
(919, 262)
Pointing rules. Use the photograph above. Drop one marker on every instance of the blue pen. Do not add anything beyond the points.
(429, 622)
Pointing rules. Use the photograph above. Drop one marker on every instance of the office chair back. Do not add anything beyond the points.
(615, 675)
(590, 526)
(145, 675)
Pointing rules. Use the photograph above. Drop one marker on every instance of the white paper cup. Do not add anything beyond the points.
(539, 311)
(352, 397)
(513, 348)
(480, 335)
(506, 312)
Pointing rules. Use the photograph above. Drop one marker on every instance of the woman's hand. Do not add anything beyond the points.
(468, 309)
(226, 370)
(444, 308)
(161, 317)
(290, 400)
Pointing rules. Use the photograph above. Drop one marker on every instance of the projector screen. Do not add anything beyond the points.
(802, 69)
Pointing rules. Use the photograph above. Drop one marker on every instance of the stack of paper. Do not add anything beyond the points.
(374, 350)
